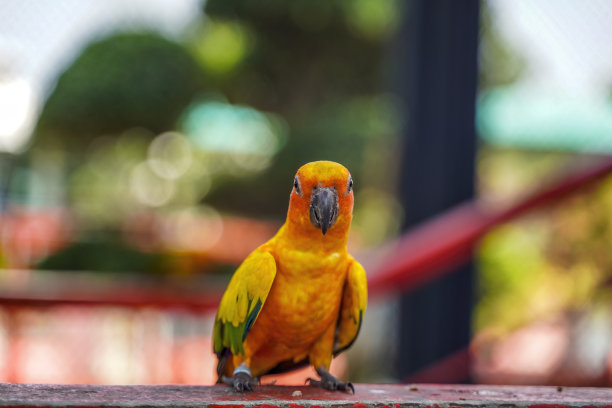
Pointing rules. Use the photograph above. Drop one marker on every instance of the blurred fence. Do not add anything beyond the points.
(160, 329)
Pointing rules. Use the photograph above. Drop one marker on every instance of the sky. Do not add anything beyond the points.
(39, 39)
(567, 43)
(563, 99)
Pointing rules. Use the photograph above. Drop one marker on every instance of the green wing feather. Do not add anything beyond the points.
(352, 309)
(242, 301)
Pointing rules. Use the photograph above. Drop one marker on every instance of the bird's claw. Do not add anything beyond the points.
(241, 382)
(331, 383)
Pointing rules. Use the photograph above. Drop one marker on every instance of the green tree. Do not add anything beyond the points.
(321, 66)
(123, 81)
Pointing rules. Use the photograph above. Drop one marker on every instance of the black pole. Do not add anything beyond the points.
(437, 51)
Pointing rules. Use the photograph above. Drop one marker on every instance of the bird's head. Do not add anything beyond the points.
(321, 201)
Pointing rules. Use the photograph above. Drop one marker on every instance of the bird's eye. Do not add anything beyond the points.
(296, 185)
(350, 185)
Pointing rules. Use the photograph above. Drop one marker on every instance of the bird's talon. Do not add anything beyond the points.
(331, 384)
(312, 382)
(242, 382)
(347, 386)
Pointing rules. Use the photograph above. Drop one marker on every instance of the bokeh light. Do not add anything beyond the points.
(16, 113)
(170, 155)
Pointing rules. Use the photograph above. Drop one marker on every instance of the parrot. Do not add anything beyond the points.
(298, 299)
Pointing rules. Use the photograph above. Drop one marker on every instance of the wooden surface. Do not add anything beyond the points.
(269, 396)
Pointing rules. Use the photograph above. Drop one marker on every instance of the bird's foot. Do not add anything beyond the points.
(241, 380)
(329, 382)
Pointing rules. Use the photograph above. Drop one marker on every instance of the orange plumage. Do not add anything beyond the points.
(300, 297)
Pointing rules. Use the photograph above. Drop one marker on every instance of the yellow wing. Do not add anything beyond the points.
(352, 309)
(242, 301)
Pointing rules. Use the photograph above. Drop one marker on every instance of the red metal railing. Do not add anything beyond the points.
(429, 251)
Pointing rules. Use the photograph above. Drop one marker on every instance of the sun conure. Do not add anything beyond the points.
(299, 298)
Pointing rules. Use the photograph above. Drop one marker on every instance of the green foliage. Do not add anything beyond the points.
(109, 255)
(510, 266)
(500, 64)
(122, 81)
(291, 67)
(129, 173)
(344, 132)
(548, 262)
(317, 64)
(220, 46)
(311, 70)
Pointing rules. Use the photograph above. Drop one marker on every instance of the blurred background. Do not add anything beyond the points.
(146, 147)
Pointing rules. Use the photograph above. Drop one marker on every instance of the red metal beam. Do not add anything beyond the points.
(429, 251)
(132, 299)
(48, 288)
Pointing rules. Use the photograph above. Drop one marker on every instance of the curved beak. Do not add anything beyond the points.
(323, 208)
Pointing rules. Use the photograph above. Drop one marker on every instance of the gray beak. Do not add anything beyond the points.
(323, 207)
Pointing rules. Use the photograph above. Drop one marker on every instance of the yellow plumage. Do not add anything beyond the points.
(300, 297)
